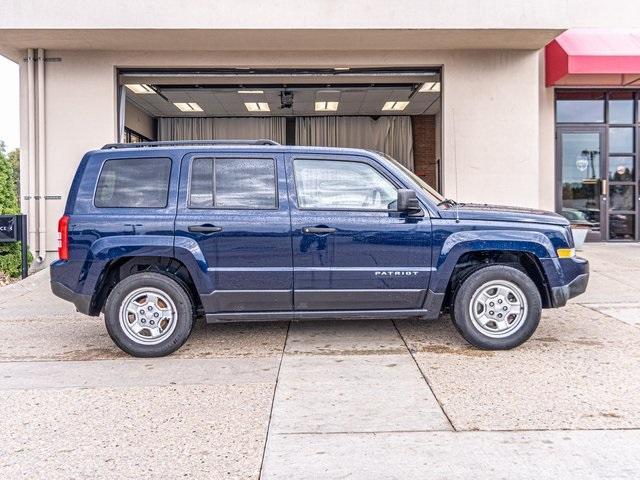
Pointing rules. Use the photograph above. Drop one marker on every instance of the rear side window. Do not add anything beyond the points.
(243, 183)
(133, 183)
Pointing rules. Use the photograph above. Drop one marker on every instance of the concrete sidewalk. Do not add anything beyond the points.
(362, 399)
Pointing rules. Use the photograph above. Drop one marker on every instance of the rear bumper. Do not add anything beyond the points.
(576, 275)
(81, 302)
(63, 274)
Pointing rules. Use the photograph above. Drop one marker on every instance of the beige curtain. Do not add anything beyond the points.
(206, 128)
(389, 134)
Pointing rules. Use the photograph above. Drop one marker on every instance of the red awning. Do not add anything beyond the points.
(590, 56)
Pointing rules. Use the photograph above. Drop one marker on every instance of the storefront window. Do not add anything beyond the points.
(621, 169)
(622, 227)
(621, 140)
(622, 197)
(580, 107)
(621, 107)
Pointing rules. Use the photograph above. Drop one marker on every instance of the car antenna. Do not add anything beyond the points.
(455, 161)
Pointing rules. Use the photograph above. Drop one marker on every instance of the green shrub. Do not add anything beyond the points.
(10, 256)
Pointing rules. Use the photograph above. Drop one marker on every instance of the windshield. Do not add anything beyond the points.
(433, 195)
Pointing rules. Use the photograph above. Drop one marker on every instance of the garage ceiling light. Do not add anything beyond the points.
(251, 91)
(257, 106)
(326, 106)
(140, 88)
(395, 105)
(430, 87)
(188, 107)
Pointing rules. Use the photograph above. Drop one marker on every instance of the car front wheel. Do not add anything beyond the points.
(149, 315)
(497, 308)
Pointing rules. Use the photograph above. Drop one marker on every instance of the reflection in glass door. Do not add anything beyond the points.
(621, 207)
(581, 177)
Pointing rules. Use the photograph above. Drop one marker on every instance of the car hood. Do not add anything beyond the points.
(477, 211)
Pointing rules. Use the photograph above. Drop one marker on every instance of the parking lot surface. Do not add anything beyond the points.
(333, 399)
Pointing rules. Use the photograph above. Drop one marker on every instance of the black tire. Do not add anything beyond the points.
(184, 319)
(462, 317)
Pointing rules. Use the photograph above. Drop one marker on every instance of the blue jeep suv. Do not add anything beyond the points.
(157, 234)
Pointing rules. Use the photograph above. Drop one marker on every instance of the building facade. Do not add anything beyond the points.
(492, 102)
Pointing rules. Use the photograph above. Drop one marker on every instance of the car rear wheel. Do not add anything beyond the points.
(149, 315)
(497, 308)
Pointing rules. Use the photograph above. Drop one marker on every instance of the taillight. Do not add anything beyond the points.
(63, 238)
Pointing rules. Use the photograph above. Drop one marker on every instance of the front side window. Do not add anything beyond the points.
(133, 183)
(335, 184)
(233, 183)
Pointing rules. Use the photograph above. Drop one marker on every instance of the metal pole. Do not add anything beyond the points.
(24, 234)
(42, 161)
(31, 150)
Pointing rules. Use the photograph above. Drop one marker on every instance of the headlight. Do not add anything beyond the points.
(566, 252)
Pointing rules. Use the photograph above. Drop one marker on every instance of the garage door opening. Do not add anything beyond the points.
(395, 111)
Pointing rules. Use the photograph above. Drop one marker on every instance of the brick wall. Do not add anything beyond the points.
(424, 147)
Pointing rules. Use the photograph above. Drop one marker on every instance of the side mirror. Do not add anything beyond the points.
(408, 202)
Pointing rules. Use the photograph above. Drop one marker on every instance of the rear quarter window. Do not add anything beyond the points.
(133, 183)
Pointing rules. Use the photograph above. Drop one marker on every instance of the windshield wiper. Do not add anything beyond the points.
(453, 204)
(449, 202)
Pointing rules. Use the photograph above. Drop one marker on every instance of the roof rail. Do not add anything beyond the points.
(180, 143)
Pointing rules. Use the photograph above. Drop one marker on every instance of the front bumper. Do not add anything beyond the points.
(575, 275)
(560, 295)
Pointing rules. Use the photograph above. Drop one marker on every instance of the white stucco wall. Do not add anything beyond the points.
(139, 121)
(490, 117)
(497, 120)
(546, 142)
(334, 14)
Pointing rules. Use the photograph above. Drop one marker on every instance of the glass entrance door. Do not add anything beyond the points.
(582, 197)
(598, 161)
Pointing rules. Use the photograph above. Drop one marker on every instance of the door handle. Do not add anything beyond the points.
(206, 228)
(318, 230)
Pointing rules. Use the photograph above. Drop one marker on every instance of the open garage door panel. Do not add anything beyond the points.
(396, 111)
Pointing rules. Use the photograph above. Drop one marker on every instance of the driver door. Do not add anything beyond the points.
(351, 249)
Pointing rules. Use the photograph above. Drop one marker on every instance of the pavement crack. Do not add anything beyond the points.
(273, 400)
(424, 376)
(608, 315)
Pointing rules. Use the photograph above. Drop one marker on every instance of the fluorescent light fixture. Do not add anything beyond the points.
(341, 68)
(326, 106)
(394, 105)
(257, 106)
(188, 107)
(140, 88)
(251, 91)
(430, 87)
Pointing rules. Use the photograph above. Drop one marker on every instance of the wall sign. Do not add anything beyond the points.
(8, 228)
(13, 228)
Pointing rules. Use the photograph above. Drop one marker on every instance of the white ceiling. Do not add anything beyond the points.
(228, 102)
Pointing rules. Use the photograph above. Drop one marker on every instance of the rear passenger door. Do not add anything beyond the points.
(234, 206)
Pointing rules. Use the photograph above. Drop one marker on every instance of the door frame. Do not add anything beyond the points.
(366, 298)
(222, 299)
(602, 235)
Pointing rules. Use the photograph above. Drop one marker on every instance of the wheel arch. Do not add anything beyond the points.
(118, 269)
(471, 261)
